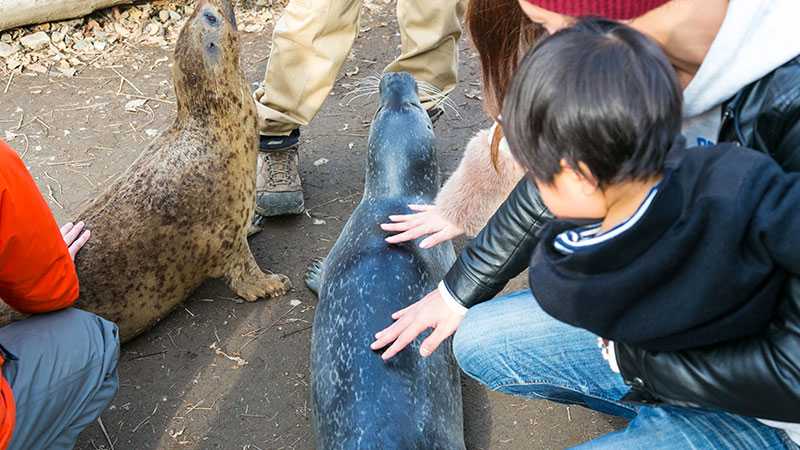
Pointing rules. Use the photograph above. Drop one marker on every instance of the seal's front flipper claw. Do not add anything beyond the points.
(313, 276)
(247, 280)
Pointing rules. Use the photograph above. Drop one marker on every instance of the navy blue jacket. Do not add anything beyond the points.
(705, 264)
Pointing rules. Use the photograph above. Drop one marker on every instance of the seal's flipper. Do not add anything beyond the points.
(314, 275)
(249, 282)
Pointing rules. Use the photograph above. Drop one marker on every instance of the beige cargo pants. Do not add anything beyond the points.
(313, 37)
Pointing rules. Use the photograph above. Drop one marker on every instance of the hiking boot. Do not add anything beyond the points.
(278, 188)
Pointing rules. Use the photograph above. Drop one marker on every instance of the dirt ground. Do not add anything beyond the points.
(220, 373)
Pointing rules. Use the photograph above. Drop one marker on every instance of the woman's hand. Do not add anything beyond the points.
(430, 312)
(75, 237)
(425, 221)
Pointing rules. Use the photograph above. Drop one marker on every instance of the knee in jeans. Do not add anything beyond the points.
(466, 348)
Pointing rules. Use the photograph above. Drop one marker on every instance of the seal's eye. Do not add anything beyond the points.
(211, 19)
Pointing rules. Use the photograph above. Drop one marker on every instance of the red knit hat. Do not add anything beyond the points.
(610, 9)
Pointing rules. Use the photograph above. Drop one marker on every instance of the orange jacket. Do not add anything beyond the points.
(36, 272)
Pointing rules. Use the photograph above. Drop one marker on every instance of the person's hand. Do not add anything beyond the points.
(430, 312)
(75, 237)
(425, 221)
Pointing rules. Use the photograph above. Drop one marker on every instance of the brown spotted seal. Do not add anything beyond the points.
(181, 212)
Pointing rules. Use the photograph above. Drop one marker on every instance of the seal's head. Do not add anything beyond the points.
(401, 141)
(206, 70)
(399, 97)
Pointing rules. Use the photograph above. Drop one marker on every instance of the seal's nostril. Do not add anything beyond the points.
(211, 19)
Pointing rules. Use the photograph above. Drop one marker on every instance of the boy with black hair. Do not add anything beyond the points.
(654, 244)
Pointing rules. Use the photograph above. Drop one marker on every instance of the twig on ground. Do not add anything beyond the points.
(85, 177)
(162, 352)
(105, 433)
(93, 106)
(27, 146)
(10, 79)
(73, 162)
(149, 98)
(146, 419)
(261, 332)
(285, 335)
(60, 187)
(346, 197)
(127, 81)
(52, 197)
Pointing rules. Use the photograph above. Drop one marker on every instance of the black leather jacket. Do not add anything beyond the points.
(757, 377)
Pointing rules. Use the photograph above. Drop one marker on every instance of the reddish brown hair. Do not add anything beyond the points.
(502, 34)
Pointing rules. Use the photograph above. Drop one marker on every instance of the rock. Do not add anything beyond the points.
(135, 13)
(151, 132)
(174, 16)
(70, 72)
(253, 28)
(152, 29)
(163, 16)
(100, 45)
(83, 46)
(320, 162)
(134, 105)
(13, 62)
(57, 36)
(7, 50)
(5, 37)
(38, 68)
(36, 40)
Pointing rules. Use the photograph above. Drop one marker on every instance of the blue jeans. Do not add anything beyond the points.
(62, 368)
(512, 346)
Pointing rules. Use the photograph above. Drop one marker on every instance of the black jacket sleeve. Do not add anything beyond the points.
(502, 250)
(757, 377)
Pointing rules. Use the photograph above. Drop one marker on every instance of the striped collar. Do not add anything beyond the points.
(582, 238)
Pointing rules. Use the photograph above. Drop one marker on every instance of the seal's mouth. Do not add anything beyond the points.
(399, 90)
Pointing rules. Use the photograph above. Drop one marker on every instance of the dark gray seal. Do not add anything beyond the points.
(360, 401)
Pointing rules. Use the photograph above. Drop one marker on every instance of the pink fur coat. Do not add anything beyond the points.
(475, 190)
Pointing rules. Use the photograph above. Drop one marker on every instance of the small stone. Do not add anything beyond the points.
(13, 62)
(67, 71)
(57, 36)
(320, 162)
(38, 68)
(83, 46)
(151, 132)
(35, 41)
(5, 37)
(134, 105)
(7, 50)
(174, 16)
(253, 28)
(135, 13)
(294, 303)
(152, 29)
(100, 45)
(163, 16)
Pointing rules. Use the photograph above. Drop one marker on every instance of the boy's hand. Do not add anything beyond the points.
(75, 237)
(430, 312)
(426, 221)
